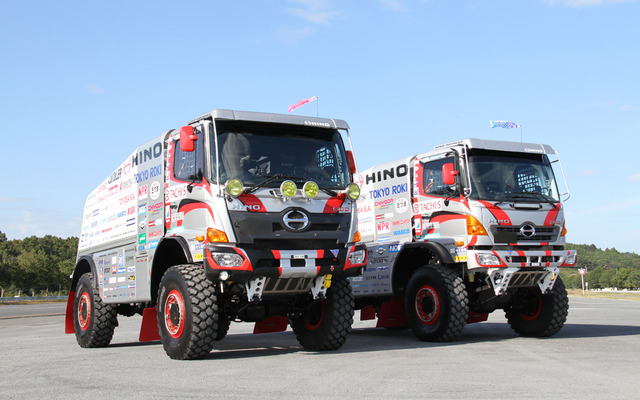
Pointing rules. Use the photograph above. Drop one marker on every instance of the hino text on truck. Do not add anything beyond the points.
(238, 216)
(458, 232)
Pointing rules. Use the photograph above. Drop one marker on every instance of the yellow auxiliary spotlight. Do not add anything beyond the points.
(310, 189)
(353, 191)
(288, 189)
(234, 187)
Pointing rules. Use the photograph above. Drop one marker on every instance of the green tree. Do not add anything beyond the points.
(65, 269)
(634, 279)
(593, 277)
(606, 279)
(572, 281)
(620, 279)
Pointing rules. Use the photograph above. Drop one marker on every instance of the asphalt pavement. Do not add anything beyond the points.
(595, 356)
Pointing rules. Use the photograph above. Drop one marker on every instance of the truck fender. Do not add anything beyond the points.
(170, 251)
(83, 265)
(412, 256)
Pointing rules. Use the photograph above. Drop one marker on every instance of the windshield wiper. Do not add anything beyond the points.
(536, 195)
(264, 183)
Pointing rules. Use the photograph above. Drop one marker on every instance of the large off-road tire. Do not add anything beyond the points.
(94, 320)
(436, 304)
(223, 326)
(187, 312)
(327, 324)
(534, 314)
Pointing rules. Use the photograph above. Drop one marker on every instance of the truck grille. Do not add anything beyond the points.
(533, 259)
(267, 231)
(524, 233)
(288, 244)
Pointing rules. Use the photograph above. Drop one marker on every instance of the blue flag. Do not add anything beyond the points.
(503, 124)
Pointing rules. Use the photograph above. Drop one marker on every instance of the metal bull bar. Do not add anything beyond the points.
(504, 279)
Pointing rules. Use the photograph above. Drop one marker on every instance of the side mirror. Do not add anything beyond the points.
(449, 174)
(351, 161)
(187, 137)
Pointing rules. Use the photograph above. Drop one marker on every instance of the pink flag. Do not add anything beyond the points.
(301, 103)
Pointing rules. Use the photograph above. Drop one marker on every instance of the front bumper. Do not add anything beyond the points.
(282, 264)
(520, 258)
(517, 268)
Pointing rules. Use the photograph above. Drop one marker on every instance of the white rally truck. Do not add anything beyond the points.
(458, 232)
(238, 216)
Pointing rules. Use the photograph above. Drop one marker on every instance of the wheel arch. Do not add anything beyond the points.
(83, 265)
(170, 251)
(413, 256)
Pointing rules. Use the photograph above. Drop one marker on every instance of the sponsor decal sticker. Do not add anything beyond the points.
(427, 206)
(401, 205)
(175, 193)
(142, 192)
(384, 227)
(155, 190)
(155, 207)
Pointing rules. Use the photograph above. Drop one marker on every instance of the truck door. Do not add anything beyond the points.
(187, 211)
(439, 209)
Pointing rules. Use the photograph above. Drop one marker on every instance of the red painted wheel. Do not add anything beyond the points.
(436, 303)
(94, 321)
(427, 304)
(533, 310)
(315, 317)
(187, 312)
(531, 313)
(326, 324)
(174, 314)
(84, 311)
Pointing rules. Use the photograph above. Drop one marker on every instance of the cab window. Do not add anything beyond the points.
(187, 166)
(432, 183)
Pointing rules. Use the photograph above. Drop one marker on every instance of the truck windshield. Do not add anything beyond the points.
(504, 176)
(266, 154)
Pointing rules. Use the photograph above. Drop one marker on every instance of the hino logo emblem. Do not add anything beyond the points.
(296, 220)
(527, 231)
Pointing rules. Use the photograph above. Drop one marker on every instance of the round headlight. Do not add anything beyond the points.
(354, 191)
(234, 187)
(288, 188)
(310, 189)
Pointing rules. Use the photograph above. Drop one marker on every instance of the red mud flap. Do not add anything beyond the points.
(392, 313)
(149, 327)
(367, 312)
(476, 317)
(69, 326)
(271, 324)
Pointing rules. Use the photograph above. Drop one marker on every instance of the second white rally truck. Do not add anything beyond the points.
(458, 232)
(238, 216)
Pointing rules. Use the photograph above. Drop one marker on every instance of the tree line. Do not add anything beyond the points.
(605, 269)
(42, 265)
(36, 265)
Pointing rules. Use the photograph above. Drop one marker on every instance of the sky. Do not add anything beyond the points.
(85, 83)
